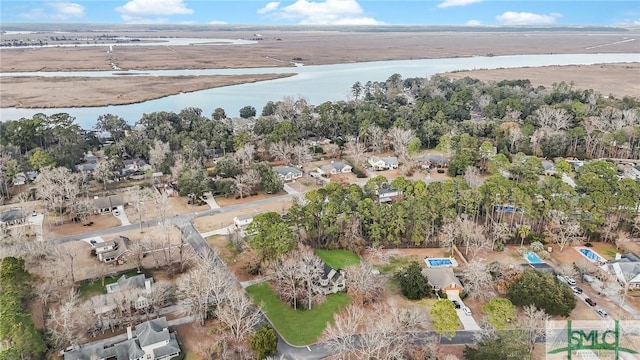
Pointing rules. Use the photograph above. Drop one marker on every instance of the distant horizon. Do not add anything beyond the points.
(473, 13)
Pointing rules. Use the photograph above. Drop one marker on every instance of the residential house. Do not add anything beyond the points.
(242, 220)
(626, 268)
(443, 279)
(332, 280)
(137, 285)
(107, 204)
(288, 173)
(22, 178)
(11, 217)
(110, 251)
(632, 172)
(152, 340)
(89, 163)
(549, 168)
(334, 168)
(132, 166)
(383, 163)
(386, 195)
(575, 163)
(431, 161)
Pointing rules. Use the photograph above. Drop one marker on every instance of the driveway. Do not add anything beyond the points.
(468, 322)
(211, 201)
(122, 216)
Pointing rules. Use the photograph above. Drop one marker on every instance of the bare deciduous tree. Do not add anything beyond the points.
(478, 280)
(363, 284)
(137, 198)
(302, 155)
(238, 314)
(555, 119)
(533, 322)
(376, 138)
(472, 177)
(356, 151)
(158, 153)
(400, 139)
(564, 230)
(244, 155)
(281, 150)
(203, 288)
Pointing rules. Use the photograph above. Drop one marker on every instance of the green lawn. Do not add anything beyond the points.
(298, 327)
(94, 287)
(338, 259)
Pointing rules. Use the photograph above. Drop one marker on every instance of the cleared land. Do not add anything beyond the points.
(617, 79)
(281, 48)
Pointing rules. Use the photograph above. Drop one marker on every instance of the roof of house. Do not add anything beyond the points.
(132, 282)
(441, 277)
(435, 159)
(11, 215)
(547, 165)
(242, 217)
(338, 165)
(386, 191)
(108, 202)
(168, 349)
(284, 170)
(152, 331)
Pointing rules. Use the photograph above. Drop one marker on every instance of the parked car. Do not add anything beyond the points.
(576, 290)
(590, 302)
(456, 304)
(466, 310)
(116, 212)
(570, 281)
(34, 214)
(601, 312)
(92, 242)
(587, 278)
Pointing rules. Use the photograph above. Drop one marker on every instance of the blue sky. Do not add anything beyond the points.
(327, 12)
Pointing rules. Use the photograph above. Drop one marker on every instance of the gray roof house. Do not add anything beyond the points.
(383, 163)
(133, 282)
(386, 195)
(442, 278)
(333, 168)
(433, 161)
(333, 280)
(288, 173)
(626, 268)
(151, 340)
(107, 204)
(549, 167)
(12, 217)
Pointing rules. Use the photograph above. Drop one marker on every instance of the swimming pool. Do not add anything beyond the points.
(591, 255)
(533, 258)
(440, 262)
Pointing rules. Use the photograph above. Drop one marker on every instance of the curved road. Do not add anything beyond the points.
(198, 243)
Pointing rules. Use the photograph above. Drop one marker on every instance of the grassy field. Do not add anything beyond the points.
(298, 327)
(396, 263)
(338, 259)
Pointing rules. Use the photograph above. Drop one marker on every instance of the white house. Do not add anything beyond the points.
(383, 163)
(386, 195)
(109, 251)
(288, 173)
(151, 340)
(626, 268)
(334, 168)
(333, 280)
(243, 220)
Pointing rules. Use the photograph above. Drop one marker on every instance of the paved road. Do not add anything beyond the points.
(177, 220)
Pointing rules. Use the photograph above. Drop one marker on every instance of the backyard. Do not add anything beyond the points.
(297, 327)
(338, 259)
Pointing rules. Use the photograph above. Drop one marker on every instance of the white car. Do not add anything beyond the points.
(570, 281)
(601, 312)
(466, 310)
(116, 212)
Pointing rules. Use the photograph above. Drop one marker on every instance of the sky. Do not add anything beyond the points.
(325, 12)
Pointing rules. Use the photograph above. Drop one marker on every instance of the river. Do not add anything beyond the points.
(316, 83)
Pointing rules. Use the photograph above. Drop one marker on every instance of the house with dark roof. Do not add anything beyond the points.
(11, 217)
(431, 161)
(288, 173)
(383, 163)
(549, 168)
(386, 195)
(333, 168)
(152, 340)
(332, 280)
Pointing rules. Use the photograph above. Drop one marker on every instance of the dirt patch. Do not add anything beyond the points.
(54, 92)
(617, 79)
(97, 222)
(219, 221)
(236, 261)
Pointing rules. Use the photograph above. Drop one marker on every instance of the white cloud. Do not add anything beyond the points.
(451, 3)
(326, 12)
(272, 6)
(527, 18)
(142, 8)
(473, 23)
(143, 20)
(217, 22)
(58, 10)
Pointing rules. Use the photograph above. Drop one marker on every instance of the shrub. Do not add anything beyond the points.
(413, 284)
(264, 342)
(543, 290)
